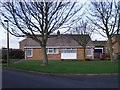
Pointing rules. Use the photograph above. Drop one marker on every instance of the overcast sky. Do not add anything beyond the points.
(14, 41)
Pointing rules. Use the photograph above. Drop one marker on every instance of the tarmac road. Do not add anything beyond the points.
(22, 79)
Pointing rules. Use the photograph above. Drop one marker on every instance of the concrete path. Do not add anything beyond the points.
(19, 61)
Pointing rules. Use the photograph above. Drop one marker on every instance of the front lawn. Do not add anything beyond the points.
(69, 67)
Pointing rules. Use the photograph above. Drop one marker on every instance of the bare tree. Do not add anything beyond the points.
(118, 11)
(105, 16)
(81, 33)
(41, 18)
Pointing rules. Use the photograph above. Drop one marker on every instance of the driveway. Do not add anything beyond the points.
(23, 79)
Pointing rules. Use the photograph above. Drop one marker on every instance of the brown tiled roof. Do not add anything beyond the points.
(61, 40)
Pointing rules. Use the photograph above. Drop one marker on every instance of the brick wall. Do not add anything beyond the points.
(80, 54)
(54, 56)
(116, 49)
(37, 55)
(115, 46)
(118, 46)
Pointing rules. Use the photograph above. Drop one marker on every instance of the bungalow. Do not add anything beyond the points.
(58, 47)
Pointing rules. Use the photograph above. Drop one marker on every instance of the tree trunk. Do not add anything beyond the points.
(84, 53)
(44, 55)
(110, 47)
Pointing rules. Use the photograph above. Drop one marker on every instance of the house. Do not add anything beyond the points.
(58, 47)
(116, 46)
(99, 48)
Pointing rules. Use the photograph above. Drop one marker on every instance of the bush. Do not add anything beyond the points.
(13, 54)
(104, 56)
(16, 54)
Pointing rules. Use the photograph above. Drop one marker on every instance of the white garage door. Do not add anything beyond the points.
(68, 53)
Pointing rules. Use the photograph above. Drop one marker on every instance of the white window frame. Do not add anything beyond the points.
(64, 50)
(100, 48)
(31, 52)
(48, 51)
(91, 51)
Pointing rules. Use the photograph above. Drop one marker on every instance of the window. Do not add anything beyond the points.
(89, 52)
(52, 51)
(29, 52)
(107, 50)
(113, 51)
(68, 50)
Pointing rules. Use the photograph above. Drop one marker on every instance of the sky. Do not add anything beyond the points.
(14, 41)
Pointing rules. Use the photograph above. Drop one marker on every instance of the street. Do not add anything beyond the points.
(22, 79)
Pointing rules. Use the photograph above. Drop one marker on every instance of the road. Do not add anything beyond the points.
(22, 79)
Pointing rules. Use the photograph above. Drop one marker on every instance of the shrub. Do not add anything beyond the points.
(104, 56)
(13, 54)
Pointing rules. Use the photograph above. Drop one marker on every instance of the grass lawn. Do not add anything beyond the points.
(69, 67)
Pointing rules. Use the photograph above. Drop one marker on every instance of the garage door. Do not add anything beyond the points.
(68, 53)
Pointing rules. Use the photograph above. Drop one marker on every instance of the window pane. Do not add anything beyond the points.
(89, 52)
(52, 50)
(68, 50)
(55, 50)
(29, 52)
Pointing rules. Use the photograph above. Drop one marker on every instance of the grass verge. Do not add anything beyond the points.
(69, 67)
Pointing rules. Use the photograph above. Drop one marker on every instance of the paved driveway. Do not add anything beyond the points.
(21, 79)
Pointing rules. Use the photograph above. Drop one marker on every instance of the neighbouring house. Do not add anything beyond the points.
(99, 48)
(58, 47)
(116, 46)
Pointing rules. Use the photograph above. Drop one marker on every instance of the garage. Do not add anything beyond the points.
(68, 53)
